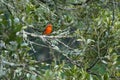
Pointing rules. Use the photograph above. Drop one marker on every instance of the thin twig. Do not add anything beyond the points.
(38, 44)
(94, 63)
(64, 44)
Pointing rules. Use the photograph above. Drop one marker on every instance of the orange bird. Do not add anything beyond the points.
(48, 29)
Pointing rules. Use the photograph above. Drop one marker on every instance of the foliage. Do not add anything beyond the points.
(84, 44)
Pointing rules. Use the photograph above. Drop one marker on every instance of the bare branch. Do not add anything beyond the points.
(44, 36)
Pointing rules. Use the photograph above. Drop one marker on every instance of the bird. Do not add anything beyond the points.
(48, 29)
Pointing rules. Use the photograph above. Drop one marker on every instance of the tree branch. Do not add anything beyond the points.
(44, 36)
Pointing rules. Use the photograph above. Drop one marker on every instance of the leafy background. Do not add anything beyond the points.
(84, 44)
